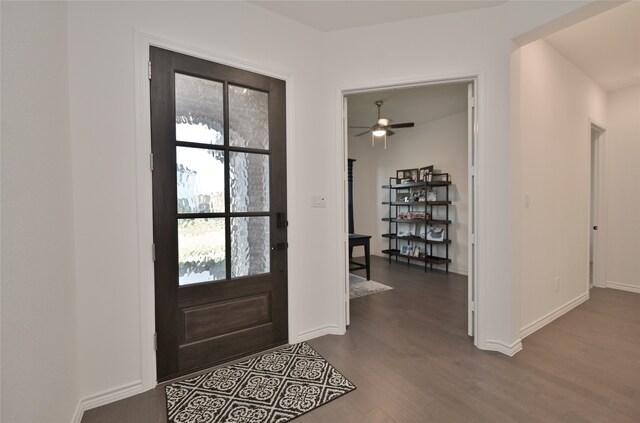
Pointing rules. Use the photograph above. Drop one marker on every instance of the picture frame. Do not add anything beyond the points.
(432, 195)
(405, 250)
(402, 197)
(435, 234)
(407, 175)
(406, 229)
(424, 172)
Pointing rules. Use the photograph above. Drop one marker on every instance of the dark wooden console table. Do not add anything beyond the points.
(356, 240)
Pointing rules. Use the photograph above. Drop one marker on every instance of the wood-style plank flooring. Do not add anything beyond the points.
(408, 353)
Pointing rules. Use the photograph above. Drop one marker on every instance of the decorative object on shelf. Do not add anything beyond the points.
(425, 173)
(406, 229)
(435, 234)
(407, 175)
(405, 249)
(417, 252)
(432, 195)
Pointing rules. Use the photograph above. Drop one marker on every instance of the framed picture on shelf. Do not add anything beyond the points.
(425, 172)
(432, 195)
(405, 249)
(403, 197)
(435, 234)
(406, 229)
(407, 175)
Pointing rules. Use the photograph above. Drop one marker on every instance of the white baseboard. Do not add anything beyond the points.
(503, 348)
(544, 320)
(106, 397)
(315, 333)
(77, 415)
(623, 287)
(460, 271)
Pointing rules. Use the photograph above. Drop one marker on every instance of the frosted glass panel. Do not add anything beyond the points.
(199, 110)
(248, 118)
(200, 175)
(249, 246)
(201, 253)
(249, 182)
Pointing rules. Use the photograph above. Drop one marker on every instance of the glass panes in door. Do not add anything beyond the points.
(249, 182)
(248, 118)
(201, 250)
(199, 110)
(249, 246)
(200, 180)
(211, 226)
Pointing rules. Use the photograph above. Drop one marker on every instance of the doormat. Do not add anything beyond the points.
(359, 287)
(274, 387)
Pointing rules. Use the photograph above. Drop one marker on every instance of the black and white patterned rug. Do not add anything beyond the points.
(274, 387)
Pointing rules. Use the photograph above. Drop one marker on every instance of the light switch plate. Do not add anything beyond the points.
(318, 200)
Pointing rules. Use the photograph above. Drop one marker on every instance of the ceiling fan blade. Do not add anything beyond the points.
(362, 133)
(390, 132)
(359, 127)
(402, 125)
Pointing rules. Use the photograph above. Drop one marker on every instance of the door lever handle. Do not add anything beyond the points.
(281, 218)
(280, 246)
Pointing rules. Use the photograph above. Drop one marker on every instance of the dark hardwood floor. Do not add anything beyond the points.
(408, 353)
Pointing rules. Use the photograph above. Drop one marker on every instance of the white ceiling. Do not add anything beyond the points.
(416, 104)
(329, 15)
(605, 47)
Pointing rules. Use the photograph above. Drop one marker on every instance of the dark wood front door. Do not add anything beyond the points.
(219, 203)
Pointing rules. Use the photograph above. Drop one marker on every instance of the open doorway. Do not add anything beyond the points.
(411, 191)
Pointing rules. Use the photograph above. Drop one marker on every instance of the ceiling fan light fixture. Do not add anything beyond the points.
(378, 131)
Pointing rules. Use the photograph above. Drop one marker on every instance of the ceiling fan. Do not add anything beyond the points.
(382, 128)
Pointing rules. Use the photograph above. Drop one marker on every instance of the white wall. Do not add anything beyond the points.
(461, 44)
(38, 299)
(622, 168)
(38, 296)
(556, 102)
(442, 143)
(103, 131)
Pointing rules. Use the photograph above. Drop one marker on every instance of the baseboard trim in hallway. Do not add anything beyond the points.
(623, 287)
(503, 348)
(106, 397)
(545, 320)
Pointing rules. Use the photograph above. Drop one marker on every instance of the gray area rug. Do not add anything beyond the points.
(359, 287)
(274, 387)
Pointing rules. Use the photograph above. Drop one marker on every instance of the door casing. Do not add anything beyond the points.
(599, 212)
(476, 285)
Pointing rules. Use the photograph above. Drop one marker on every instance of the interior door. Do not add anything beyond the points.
(471, 139)
(219, 203)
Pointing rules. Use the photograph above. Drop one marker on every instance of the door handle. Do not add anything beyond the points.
(281, 220)
(280, 246)
(595, 228)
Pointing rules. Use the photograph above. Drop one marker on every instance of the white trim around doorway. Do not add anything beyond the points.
(342, 230)
(600, 247)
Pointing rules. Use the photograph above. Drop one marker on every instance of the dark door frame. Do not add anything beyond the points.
(190, 334)
(148, 376)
